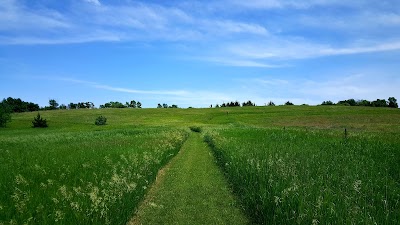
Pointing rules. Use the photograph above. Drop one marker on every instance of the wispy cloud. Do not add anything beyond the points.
(94, 2)
(301, 49)
(228, 38)
(183, 98)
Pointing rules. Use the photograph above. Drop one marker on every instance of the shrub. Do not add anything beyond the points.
(38, 121)
(5, 114)
(101, 120)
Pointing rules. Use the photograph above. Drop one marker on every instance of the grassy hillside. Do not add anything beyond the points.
(77, 171)
(319, 117)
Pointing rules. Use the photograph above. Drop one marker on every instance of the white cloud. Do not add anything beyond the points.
(224, 39)
(301, 49)
(16, 17)
(94, 2)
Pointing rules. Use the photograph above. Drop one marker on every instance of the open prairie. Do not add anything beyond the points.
(284, 164)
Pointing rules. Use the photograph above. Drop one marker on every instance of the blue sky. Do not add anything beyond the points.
(197, 53)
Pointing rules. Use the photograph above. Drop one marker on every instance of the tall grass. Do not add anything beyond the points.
(310, 177)
(92, 177)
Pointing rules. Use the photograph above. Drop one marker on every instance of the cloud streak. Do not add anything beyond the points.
(229, 38)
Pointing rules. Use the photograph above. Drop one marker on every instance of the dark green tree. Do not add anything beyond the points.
(363, 103)
(139, 105)
(379, 103)
(17, 105)
(327, 103)
(53, 104)
(72, 106)
(289, 103)
(5, 113)
(39, 122)
(393, 102)
(159, 106)
(132, 104)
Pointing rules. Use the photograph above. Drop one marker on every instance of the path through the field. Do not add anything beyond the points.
(190, 190)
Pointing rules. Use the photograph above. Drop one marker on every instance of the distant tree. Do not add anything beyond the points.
(72, 106)
(363, 103)
(32, 107)
(174, 106)
(349, 102)
(327, 103)
(132, 104)
(17, 105)
(62, 106)
(113, 105)
(379, 103)
(5, 113)
(159, 106)
(38, 121)
(289, 103)
(216, 106)
(139, 105)
(223, 105)
(271, 103)
(53, 104)
(165, 105)
(248, 103)
(393, 102)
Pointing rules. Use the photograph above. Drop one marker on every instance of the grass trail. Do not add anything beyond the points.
(190, 190)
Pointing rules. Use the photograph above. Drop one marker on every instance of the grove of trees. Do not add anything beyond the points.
(391, 102)
(17, 105)
(131, 104)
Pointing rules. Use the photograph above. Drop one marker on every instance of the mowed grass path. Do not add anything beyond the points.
(190, 190)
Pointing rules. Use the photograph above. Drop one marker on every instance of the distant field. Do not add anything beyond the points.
(287, 164)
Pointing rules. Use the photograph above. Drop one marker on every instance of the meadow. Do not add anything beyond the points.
(286, 164)
(92, 177)
(294, 176)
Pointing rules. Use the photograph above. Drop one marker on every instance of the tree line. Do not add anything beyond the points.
(391, 102)
(131, 104)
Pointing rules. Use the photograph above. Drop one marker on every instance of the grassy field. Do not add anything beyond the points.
(81, 177)
(285, 163)
(311, 177)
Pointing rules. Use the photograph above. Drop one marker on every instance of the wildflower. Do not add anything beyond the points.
(357, 186)
(59, 216)
(55, 200)
(20, 180)
(64, 192)
(277, 200)
(43, 185)
(75, 206)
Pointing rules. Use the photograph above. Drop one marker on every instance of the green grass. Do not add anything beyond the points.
(311, 177)
(77, 172)
(95, 177)
(192, 191)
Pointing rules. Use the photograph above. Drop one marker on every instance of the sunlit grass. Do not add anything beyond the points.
(311, 177)
(76, 172)
(96, 177)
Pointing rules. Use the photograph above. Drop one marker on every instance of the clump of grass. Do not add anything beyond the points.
(300, 177)
(195, 129)
(101, 120)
